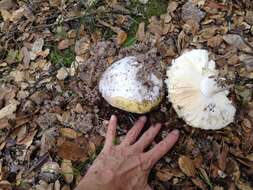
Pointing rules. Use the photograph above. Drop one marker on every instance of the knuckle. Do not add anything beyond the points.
(132, 133)
(149, 135)
(145, 163)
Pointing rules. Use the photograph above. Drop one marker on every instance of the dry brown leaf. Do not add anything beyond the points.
(64, 44)
(192, 12)
(187, 166)
(121, 37)
(69, 133)
(215, 41)
(74, 150)
(5, 185)
(82, 45)
(28, 139)
(235, 40)
(140, 34)
(36, 48)
(67, 171)
(222, 159)
(21, 133)
(199, 183)
(243, 185)
(62, 74)
(26, 56)
(249, 17)
(164, 174)
(172, 6)
(7, 16)
(39, 96)
(55, 3)
(9, 109)
(4, 123)
(215, 5)
(6, 4)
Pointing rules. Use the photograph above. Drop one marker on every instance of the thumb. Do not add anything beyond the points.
(148, 188)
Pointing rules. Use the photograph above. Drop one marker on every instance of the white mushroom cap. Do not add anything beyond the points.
(196, 92)
(122, 88)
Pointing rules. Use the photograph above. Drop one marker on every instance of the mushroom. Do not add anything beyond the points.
(197, 93)
(127, 85)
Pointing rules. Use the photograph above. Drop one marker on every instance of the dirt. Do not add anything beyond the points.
(32, 134)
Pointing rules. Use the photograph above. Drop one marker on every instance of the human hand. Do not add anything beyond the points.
(127, 166)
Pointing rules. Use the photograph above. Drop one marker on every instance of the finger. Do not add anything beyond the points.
(147, 138)
(134, 132)
(163, 147)
(148, 188)
(111, 132)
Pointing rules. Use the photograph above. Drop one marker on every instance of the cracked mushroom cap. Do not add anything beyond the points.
(197, 94)
(123, 88)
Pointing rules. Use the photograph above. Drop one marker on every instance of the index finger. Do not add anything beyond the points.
(111, 132)
(163, 147)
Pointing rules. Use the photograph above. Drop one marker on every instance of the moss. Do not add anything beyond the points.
(145, 12)
(63, 58)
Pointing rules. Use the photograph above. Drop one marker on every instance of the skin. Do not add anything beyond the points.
(127, 166)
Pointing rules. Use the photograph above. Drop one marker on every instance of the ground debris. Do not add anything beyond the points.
(52, 55)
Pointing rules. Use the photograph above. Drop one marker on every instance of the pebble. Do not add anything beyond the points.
(62, 74)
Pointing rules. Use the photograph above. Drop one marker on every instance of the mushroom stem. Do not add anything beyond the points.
(209, 87)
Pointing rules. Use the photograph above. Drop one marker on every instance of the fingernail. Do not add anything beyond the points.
(157, 125)
(143, 119)
(113, 117)
(175, 132)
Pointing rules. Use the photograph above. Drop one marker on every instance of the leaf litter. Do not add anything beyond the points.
(53, 120)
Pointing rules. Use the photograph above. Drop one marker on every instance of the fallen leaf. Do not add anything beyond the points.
(28, 139)
(9, 109)
(215, 5)
(13, 56)
(62, 74)
(249, 17)
(5, 185)
(222, 159)
(215, 41)
(192, 12)
(199, 183)
(243, 185)
(48, 140)
(247, 60)
(4, 123)
(140, 34)
(18, 14)
(64, 44)
(235, 40)
(187, 166)
(39, 96)
(82, 46)
(68, 132)
(164, 174)
(6, 4)
(121, 37)
(67, 171)
(36, 48)
(243, 93)
(26, 56)
(6, 15)
(73, 149)
(172, 6)
(19, 76)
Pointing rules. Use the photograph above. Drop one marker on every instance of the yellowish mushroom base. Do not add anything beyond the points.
(133, 106)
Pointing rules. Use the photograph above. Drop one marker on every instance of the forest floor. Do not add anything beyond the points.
(52, 54)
